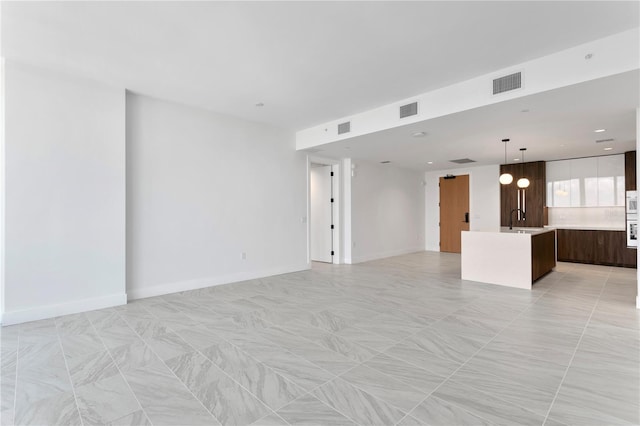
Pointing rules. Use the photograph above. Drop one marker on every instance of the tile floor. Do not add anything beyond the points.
(401, 341)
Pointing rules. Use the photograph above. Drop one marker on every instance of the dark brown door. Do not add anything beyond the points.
(454, 211)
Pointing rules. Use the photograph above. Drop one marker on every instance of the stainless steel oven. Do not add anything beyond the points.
(632, 233)
(632, 219)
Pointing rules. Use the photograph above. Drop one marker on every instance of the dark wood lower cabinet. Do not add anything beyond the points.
(543, 254)
(595, 247)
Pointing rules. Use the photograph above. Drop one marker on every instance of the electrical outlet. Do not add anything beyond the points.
(244, 256)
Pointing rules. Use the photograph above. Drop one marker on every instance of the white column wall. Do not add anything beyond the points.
(387, 211)
(64, 195)
(484, 201)
(203, 188)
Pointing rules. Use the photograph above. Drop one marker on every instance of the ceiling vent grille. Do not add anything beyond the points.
(604, 140)
(507, 83)
(344, 127)
(463, 161)
(409, 110)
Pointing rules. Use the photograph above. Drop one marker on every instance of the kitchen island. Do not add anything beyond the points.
(511, 257)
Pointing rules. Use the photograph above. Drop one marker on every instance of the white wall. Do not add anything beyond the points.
(387, 211)
(484, 201)
(203, 188)
(65, 195)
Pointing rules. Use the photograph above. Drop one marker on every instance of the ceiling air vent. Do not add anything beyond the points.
(409, 110)
(463, 161)
(604, 140)
(506, 83)
(344, 127)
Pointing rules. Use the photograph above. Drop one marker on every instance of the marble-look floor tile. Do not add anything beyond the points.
(81, 344)
(530, 371)
(118, 336)
(9, 338)
(271, 388)
(603, 396)
(35, 385)
(73, 324)
(9, 361)
(85, 369)
(137, 418)
(334, 343)
(223, 397)
(7, 391)
(486, 406)
(446, 345)
(410, 421)
(298, 370)
(474, 327)
(384, 387)
(553, 422)
(319, 355)
(199, 337)
(105, 318)
(366, 338)
(510, 390)
(7, 417)
(45, 353)
(59, 409)
(165, 399)
(412, 354)
(435, 411)
(132, 356)
(168, 345)
(360, 406)
(270, 420)
(148, 328)
(105, 400)
(308, 410)
(389, 326)
(412, 375)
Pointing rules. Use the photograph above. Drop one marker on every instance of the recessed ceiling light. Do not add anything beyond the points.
(608, 148)
(516, 159)
(260, 104)
(429, 162)
(600, 130)
(419, 134)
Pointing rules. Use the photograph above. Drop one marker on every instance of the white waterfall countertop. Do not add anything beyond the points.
(505, 256)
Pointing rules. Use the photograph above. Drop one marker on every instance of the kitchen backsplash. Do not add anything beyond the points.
(588, 217)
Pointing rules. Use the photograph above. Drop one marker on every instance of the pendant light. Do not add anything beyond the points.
(523, 182)
(505, 178)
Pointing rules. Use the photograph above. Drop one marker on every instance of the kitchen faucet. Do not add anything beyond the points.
(511, 217)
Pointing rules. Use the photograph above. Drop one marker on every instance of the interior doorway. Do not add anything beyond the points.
(454, 211)
(321, 212)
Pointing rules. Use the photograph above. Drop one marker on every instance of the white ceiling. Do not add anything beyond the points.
(312, 62)
(559, 124)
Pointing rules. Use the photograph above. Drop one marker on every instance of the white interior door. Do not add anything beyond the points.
(321, 232)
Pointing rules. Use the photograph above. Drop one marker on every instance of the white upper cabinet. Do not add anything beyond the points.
(586, 182)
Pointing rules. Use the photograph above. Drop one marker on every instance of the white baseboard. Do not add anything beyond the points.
(382, 255)
(175, 287)
(52, 311)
